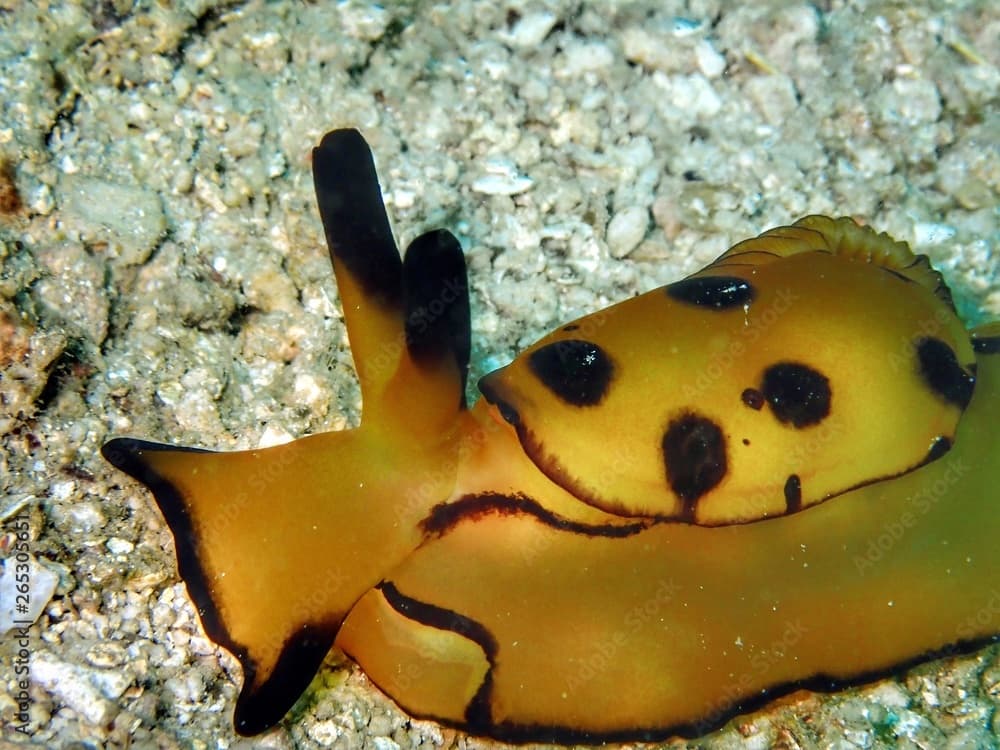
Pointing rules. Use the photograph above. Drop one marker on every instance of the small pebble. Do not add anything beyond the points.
(626, 230)
(11, 506)
(119, 546)
(106, 654)
(710, 62)
(502, 182)
(531, 29)
(585, 57)
(131, 215)
(87, 691)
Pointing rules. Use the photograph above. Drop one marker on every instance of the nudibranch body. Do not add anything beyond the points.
(657, 516)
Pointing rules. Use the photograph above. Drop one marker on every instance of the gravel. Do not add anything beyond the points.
(164, 274)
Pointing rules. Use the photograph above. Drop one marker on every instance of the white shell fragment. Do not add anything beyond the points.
(501, 178)
(41, 582)
(531, 29)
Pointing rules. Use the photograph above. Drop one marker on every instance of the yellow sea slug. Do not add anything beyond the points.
(782, 471)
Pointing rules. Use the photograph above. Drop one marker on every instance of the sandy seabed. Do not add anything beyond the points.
(164, 274)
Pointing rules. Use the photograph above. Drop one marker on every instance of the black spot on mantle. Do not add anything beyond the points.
(942, 373)
(797, 393)
(694, 452)
(793, 493)
(714, 292)
(577, 371)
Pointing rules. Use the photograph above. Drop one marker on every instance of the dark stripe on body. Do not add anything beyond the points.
(446, 516)
(477, 713)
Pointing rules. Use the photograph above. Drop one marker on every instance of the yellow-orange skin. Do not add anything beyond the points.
(674, 357)
(671, 627)
(560, 629)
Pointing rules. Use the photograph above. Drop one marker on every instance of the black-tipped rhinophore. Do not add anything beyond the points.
(436, 293)
(354, 218)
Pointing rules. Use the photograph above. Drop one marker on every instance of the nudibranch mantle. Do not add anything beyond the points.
(658, 515)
